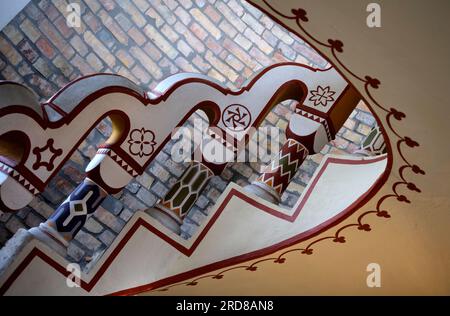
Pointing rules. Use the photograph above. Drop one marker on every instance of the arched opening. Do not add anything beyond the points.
(14, 147)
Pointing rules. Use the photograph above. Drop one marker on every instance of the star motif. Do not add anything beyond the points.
(50, 155)
(322, 96)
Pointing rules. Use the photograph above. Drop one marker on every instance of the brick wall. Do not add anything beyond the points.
(147, 41)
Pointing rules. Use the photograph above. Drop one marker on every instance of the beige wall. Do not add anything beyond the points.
(410, 55)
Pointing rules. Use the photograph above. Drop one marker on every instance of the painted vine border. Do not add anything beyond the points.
(299, 15)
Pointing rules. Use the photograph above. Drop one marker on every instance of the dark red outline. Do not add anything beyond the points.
(69, 117)
(88, 286)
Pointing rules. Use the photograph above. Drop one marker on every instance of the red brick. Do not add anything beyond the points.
(81, 65)
(152, 51)
(10, 74)
(204, 21)
(239, 53)
(212, 14)
(228, 29)
(158, 20)
(147, 62)
(45, 47)
(99, 48)
(134, 12)
(49, 10)
(165, 12)
(14, 35)
(62, 27)
(141, 4)
(125, 58)
(63, 65)
(11, 54)
(184, 48)
(158, 39)
(33, 12)
(78, 44)
(201, 64)
(253, 23)
(95, 63)
(93, 5)
(30, 30)
(185, 3)
(168, 31)
(279, 57)
(137, 36)
(213, 45)
(234, 62)
(142, 75)
(171, 4)
(27, 51)
(236, 7)
(92, 21)
(214, 74)
(198, 31)
(127, 74)
(45, 89)
(183, 15)
(113, 27)
(185, 65)
(109, 5)
(221, 66)
(52, 34)
(166, 63)
(231, 17)
(262, 44)
(190, 37)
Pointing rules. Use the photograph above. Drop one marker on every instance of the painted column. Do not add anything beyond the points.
(172, 209)
(373, 145)
(72, 214)
(105, 175)
(308, 131)
(276, 176)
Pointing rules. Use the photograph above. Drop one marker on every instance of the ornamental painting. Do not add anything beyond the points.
(211, 212)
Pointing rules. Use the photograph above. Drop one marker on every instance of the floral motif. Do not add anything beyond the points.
(322, 96)
(142, 142)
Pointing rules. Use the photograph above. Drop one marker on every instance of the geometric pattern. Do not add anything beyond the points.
(185, 191)
(279, 173)
(236, 117)
(118, 160)
(374, 143)
(16, 176)
(71, 215)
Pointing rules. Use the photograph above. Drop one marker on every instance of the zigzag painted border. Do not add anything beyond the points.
(18, 177)
(118, 160)
(222, 140)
